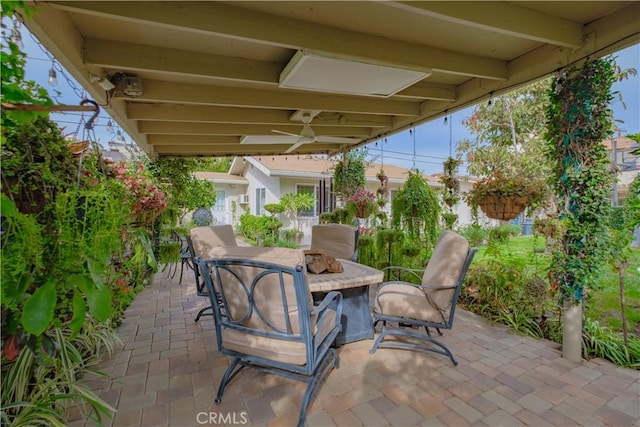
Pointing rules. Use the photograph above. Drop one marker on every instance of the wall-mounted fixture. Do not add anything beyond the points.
(102, 82)
(132, 86)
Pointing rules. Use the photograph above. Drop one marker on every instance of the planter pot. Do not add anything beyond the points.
(501, 207)
(572, 331)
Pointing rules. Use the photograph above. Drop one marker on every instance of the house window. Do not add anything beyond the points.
(311, 189)
(260, 200)
(221, 201)
(392, 196)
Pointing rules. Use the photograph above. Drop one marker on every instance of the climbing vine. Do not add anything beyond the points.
(578, 120)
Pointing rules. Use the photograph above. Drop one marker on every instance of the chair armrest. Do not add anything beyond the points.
(394, 282)
(438, 287)
(331, 296)
(321, 310)
(414, 271)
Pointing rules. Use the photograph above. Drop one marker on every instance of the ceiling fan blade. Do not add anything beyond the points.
(300, 142)
(337, 140)
(285, 133)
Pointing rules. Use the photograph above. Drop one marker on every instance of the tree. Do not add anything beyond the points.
(509, 134)
(185, 191)
(294, 203)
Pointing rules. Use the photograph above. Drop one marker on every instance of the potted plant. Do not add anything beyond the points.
(362, 202)
(504, 197)
(416, 209)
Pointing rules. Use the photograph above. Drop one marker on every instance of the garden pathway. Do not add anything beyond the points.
(168, 371)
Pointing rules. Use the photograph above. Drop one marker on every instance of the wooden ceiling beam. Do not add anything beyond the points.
(501, 17)
(181, 128)
(241, 149)
(137, 57)
(213, 114)
(237, 22)
(161, 91)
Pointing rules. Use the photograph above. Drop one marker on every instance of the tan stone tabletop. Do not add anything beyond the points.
(353, 276)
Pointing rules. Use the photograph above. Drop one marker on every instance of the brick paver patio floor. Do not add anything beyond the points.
(168, 371)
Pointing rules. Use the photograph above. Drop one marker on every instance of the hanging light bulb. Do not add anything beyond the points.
(53, 77)
(490, 101)
(110, 126)
(119, 135)
(446, 119)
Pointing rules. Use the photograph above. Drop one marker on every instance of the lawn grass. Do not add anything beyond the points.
(602, 302)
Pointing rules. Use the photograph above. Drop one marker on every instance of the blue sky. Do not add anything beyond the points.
(432, 139)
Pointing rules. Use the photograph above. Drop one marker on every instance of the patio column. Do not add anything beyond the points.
(572, 331)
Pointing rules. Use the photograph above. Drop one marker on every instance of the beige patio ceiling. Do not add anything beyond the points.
(211, 72)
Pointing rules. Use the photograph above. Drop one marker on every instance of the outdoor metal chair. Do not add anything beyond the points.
(201, 241)
(431, 304)
(269, 321)
(338, 240)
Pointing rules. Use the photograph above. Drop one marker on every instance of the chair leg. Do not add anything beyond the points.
(229, 374)
(441, 348)
(202, 313)
(322, 370)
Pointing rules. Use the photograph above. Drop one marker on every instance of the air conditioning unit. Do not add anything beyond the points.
(243, 198)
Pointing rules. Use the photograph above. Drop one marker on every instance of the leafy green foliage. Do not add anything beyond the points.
(578, 120)
(475, 234)
(37, 386)
(36, 165)
(508, 134)
(533, 191)
(416, 210)
(255, 227)
(337, 216)
(14, 88)
(294, 203)
(506, 286)
(185, 192)
(633, 202)
(349, 174)
(599, 341)
(451, 195)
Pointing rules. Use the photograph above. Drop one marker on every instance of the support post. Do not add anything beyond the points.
(572, 330)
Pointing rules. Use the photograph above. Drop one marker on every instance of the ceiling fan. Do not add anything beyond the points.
(307, 135)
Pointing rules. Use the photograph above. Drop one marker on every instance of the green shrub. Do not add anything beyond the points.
(254, 227)
(600, 341)
(475, 234)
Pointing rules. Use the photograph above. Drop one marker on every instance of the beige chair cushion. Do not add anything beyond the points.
(293, 352)
(444, 268)
(406, 301)
(267, 295)
(205, 238)
(338, 240)
(432, 305)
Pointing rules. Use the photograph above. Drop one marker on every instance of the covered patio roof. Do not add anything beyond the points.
(234, 78)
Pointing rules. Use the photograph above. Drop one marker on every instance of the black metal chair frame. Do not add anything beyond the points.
(321, 357)
(201, 290)
(406, 324)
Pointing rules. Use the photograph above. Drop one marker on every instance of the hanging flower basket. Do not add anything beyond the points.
(505, 198)
(502, 207)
